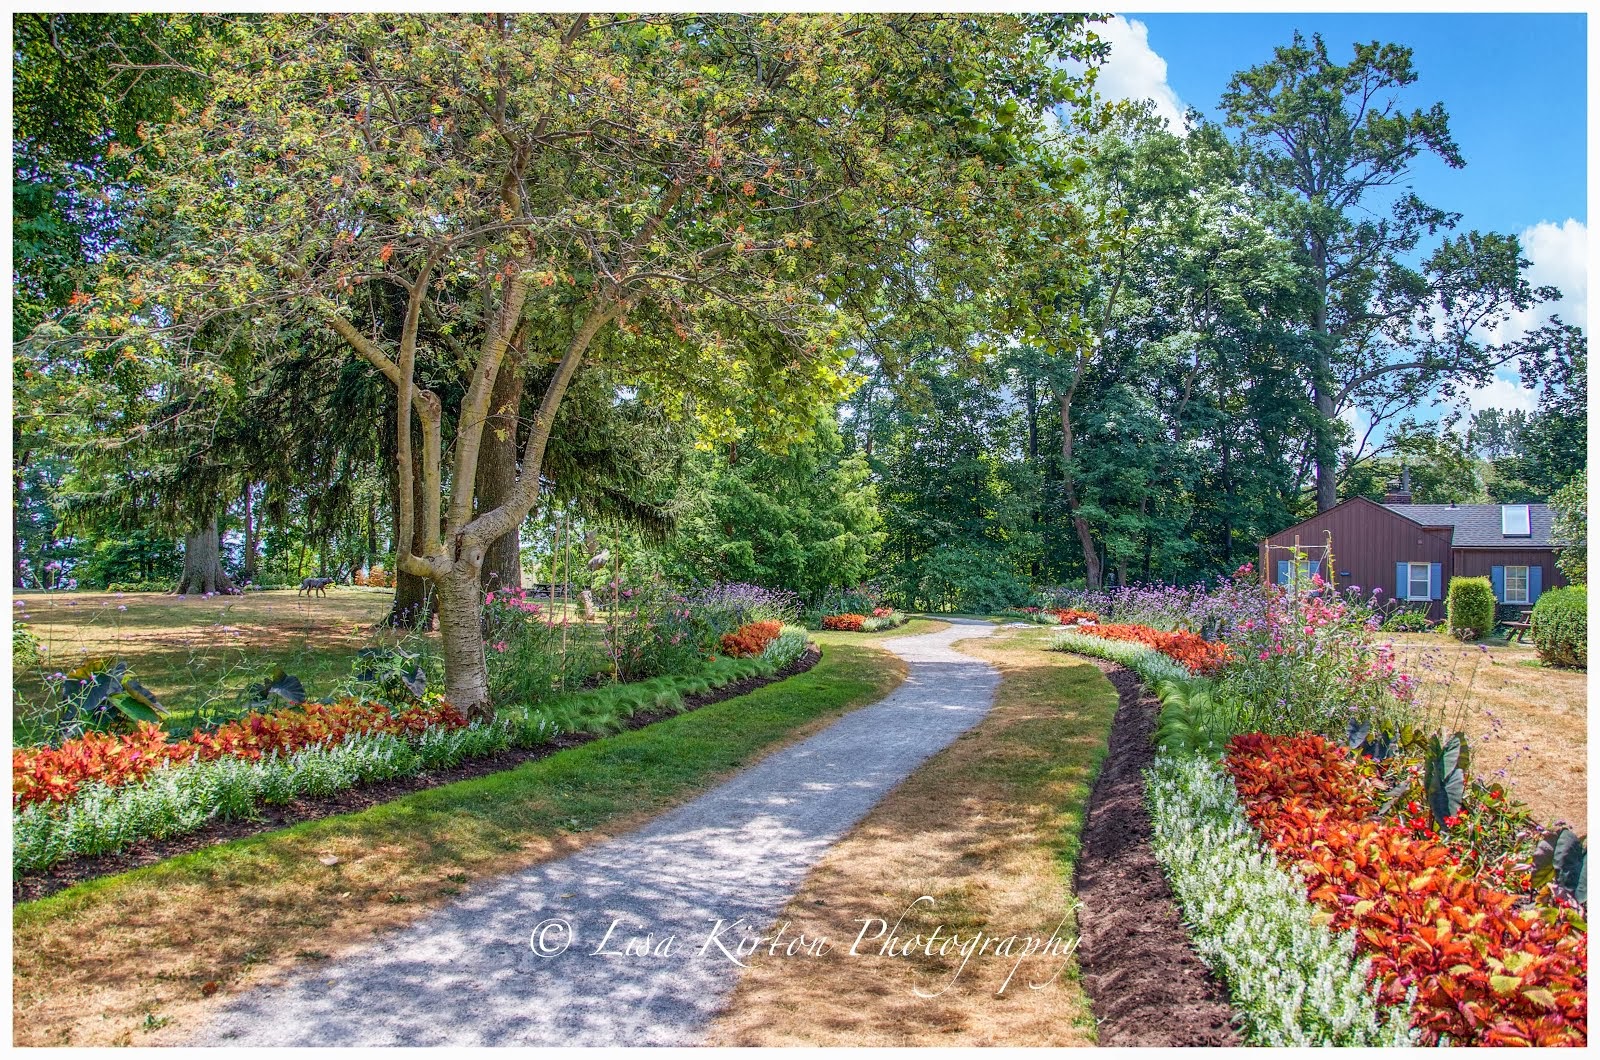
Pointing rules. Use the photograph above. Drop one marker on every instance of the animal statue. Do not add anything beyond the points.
(315, 585)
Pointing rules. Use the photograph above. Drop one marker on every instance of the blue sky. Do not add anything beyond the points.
(1515, 87)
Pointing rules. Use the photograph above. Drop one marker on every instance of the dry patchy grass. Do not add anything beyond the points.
(988, 829)
(1530, 720)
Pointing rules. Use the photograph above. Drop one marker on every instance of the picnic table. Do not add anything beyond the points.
(1520, 629)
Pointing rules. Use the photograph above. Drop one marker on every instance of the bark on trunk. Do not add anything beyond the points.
(1092, 575)
(247, 572)
(415, 600)
(497, 474)
(202, 563)
(466, 667)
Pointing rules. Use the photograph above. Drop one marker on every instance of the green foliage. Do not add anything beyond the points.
(25, 651)
(966, 580)
(1469, 608)
(1570, 506)
(1562, 859)
(1408, 620)
(101, 695)
(1190, 723)
(1561, 626)
(805, 520)
(1444, 775)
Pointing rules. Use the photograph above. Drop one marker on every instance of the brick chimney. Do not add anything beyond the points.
(1401, 495)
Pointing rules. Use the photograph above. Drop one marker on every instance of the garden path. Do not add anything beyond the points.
(708, 875)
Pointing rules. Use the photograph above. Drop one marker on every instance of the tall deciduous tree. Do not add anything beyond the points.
(1333, 143)
(728, 192)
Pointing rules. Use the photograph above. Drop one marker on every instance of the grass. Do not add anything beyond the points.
(92, 962)
(1528, 722)
(989, 829)
(194, 651)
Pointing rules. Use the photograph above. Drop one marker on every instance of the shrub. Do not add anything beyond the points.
(140, 587)
(844, 623)
(1408, 621)
(1561, 626)
(25, 652)
(1470, 607)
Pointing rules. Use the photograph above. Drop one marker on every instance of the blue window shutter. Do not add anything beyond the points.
(1402, 581)
(1497, 578)
(1535, 576)
(1435, 581)
(1283, 572)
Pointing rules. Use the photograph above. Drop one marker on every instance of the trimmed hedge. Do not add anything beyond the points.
(1470, 607)
(1561, 627)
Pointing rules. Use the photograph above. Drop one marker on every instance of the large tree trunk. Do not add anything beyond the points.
(466, 667)
(415, 600)
(247, 572)
(1327, 452)
(497, 474)
(1091, 556)
(202, 563)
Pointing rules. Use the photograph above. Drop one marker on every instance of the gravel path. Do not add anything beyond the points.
(707, 875)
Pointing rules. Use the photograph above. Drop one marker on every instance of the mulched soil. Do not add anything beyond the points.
(66, 873)
(1147, 986)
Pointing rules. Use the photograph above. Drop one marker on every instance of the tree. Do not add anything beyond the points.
(806, 519)
(1571, 528)
(728, 192)
(1329, 141)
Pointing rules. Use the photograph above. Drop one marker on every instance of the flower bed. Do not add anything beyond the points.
(1294, 982)
(750, 639)
(1484, 971)
(55, 774)
(1068, 615)
(844, 623)
(1196, 653)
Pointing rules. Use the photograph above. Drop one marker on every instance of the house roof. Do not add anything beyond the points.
(1478, 525)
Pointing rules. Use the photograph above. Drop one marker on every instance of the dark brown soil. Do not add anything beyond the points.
(66, 873)
(1147, 986)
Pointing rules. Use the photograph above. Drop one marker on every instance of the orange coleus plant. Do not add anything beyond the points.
(1069, 615)
(1486, 971)
(54, 774)
(847, 623)
(1201, 656)
(751, 638)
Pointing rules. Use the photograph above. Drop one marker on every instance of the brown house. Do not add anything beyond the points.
(1411, 551)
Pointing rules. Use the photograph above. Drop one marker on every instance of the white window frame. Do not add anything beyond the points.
(1523, 520)
(1525, 586)
(1411, 581)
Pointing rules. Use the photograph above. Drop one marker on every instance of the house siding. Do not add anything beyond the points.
(1368, 540)
(1475, 563)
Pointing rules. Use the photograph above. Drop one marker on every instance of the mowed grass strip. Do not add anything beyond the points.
(135, 958)
(988, 829)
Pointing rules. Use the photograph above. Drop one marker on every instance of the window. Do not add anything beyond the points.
(1516, 585)
(1417, 577)
(1514, 522)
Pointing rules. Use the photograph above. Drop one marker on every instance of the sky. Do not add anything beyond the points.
(1514, 86)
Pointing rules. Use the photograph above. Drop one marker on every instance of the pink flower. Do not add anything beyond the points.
(1264, 655)
(500, 645)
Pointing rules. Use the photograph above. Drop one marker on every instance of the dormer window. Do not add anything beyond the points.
(1514, 521)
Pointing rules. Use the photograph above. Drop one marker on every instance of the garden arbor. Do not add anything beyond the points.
(719, 198)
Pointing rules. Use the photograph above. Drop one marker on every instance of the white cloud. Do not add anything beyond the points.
(1504, 392)
(1558, 255)
(1134, 71)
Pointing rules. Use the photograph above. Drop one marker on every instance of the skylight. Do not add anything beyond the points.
(1514, 520)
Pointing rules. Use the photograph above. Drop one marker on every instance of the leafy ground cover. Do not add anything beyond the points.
(989, 829)
(95, 962)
